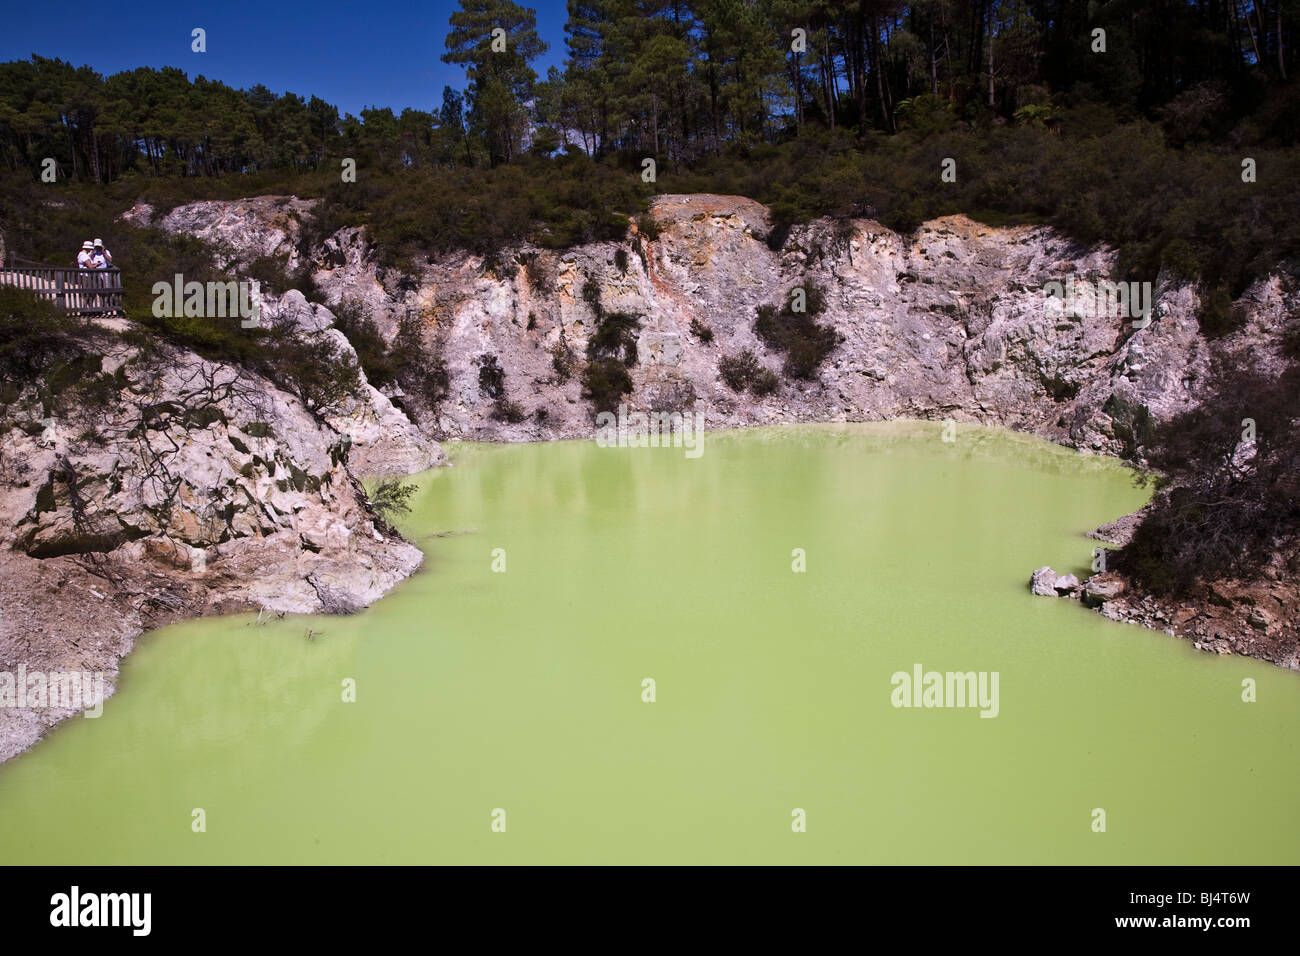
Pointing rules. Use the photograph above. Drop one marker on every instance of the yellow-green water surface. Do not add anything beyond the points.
(521, 690)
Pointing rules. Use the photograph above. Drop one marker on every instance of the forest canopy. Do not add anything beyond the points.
(1126, 122)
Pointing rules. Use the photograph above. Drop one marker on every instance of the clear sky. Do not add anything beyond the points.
(354, 55)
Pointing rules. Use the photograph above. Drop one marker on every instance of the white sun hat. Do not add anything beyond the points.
(99, 242)
(88, 245)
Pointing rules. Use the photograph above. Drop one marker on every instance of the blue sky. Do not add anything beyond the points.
(354, 55)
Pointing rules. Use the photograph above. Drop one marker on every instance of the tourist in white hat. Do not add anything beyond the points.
(102, 257)
(85, 260)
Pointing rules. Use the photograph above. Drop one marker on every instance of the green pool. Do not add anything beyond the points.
(523, 690)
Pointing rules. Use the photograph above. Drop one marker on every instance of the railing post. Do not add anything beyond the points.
(73, 291)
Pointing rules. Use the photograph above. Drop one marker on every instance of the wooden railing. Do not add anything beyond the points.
(74, 291)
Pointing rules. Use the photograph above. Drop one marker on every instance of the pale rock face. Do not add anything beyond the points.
(953, 321)
(384, 442)
(244, 229)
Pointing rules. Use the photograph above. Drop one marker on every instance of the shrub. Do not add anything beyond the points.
(805, 342)
(764, 383)
(491, 376)
(591, 295)
(745, 371)
(366, 340)
(1217, 316)
(611, 351)
(615, 338)
(1219, 512)
(701, 331)
(314, 367)
(620, 260)
(496, 265)
(269, 272)
(539, 272)
(562, 361)
(804, 355)
(738, 370)
(648, 226)
(419, 370)
(34, 336)
(504, 410)
(390, 498)
(604, 383)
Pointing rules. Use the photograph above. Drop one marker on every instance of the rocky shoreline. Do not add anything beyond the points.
(263, 510)
(202, 490)
(1254, 618)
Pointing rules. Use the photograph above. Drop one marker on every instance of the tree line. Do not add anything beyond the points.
(685, 80)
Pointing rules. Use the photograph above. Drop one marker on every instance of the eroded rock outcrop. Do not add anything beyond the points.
(949, 322)
(197, 488)
(383, 441)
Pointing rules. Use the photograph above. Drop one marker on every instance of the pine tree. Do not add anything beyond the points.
(497, 66)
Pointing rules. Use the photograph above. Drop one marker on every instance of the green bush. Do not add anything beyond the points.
(419, 369)
(648, 227)
(367, 341)
(591, 296)
(314, 368)
(1217, 514)
(390, 498)
(562, 361)
(737, 371)
(604, 383)
(745, 371)
(504, 410)
(805, 342)
(615, 338)
(35, 337)
(491, 376)
(764, 382)
(539, 271)
(1217, 316)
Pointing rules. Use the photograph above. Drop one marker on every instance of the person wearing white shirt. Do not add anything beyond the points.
(102, 259)
(86, 261)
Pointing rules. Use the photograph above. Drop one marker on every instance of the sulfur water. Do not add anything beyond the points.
(632, 655)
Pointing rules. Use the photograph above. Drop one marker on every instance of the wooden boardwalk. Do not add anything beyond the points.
(74, 291)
